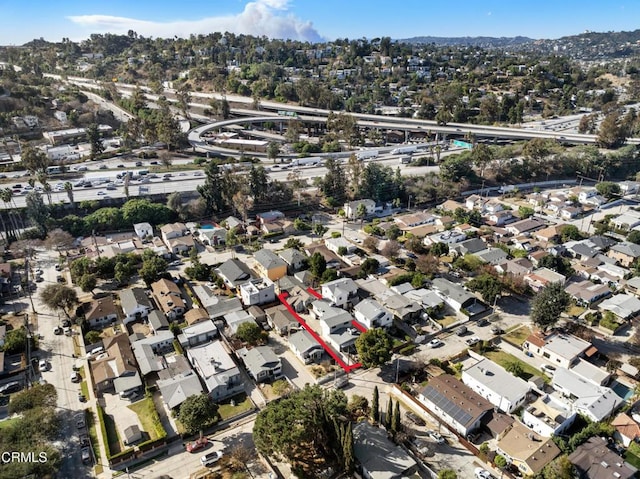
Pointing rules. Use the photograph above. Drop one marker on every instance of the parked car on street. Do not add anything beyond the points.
(210, 459)
(197, 445)
(435, 343)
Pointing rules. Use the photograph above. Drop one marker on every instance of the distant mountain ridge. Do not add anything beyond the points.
(495, 42)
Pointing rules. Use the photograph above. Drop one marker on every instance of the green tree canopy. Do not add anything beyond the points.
(249, 332)
(302, 426)
(152, 268)
(39, 395)
(488, 285)
(59, 297)
(374, 347)
(198, 412)
(548, 305)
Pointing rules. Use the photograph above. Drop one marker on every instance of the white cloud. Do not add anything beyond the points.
(259, 17)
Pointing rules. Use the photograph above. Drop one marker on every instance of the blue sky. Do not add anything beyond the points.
(21, 21)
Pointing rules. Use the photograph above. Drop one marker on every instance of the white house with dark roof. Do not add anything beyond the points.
(135, 304)
(502, 389)
(456, 297)
(157, 321)
(234, 272)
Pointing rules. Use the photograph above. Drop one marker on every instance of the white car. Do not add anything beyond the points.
(436, 436)
(480, 473)
(211, 458)
(43, 365)
(435, 343)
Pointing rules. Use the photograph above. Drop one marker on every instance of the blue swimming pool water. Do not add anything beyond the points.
(206, 227)
(625, 392)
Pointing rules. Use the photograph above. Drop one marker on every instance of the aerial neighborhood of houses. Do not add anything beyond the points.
(512, 389)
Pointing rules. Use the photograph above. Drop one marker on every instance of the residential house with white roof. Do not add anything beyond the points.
(542, 277)
(502, 389)
(548, 416)
(558, 348)
(217, 369)
(340, 291)
(587, 293)
(372, 315)
(199, 333)
(625, 306)
(586, 398)
(143, 230)
(176, 237)
(258, 291)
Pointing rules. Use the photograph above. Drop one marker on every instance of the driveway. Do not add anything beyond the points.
(121, 414)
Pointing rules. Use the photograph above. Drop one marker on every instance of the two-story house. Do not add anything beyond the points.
(526, 450)
(340, 291)
(176, 237)
(258, 291)
(168, 296)
(269, 265)
(372, 315)
(234, 272)
(217, 370)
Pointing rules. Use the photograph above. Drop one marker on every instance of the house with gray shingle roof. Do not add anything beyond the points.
(177, 389)
(261, 363)
(135, 304)
(234, 272)
(305, 347)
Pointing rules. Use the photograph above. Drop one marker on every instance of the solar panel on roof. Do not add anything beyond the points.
(449, 407)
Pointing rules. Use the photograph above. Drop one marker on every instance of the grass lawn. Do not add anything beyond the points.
(576, 310)
(148, 415)
(632, 459)
(503, 359)
(93, 435)
(8, 422)
(115, 446)
(84, 387)
(447, 321)
(518, 335)
(226, 410)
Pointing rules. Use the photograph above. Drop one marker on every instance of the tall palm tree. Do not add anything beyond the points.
(43, 179)
(68, 187)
